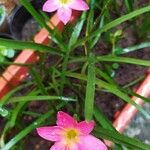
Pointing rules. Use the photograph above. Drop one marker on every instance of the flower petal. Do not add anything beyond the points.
(58, 146)
(85, 127)
(79, 5)
(50, 6)
(64, 14)
(65, 120)
(89, 142)
(62, 146)
(50, 133)
(74, 147)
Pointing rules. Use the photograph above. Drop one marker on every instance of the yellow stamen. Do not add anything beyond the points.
(64, 1)
(71, 137)
(71, 134)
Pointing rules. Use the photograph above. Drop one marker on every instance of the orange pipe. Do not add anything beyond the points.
(124, 118)
(15, 74)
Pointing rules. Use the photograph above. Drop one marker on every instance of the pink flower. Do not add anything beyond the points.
(64, 8)
(71, 135)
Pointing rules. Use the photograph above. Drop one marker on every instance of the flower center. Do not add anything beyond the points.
(71, 134)
(64, 1)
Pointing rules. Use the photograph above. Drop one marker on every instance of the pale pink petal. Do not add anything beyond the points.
(64, 14)
(85, 127)
(50, 133)
(74, 147)
(58, 146)
(79, 5)
(65, 120)
(90, 142)
(62, 146)
(50, 6)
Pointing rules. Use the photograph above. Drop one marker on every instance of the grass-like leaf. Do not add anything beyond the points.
(113, 24)
(37, 16)
(40, 98)
(19, 45)
(29, 128)
(113, 89)
(119, 51)
(110, 58)
(90, 89)
(121, 139)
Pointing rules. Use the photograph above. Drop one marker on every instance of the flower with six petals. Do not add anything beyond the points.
(64, 8)
(71, 135)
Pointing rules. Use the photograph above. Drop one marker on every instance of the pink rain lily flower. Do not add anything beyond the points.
(71, 135)
(64, 8)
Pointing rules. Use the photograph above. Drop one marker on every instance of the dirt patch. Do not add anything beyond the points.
(109, 103)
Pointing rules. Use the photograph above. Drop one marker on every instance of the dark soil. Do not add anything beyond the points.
(109, 103)
(29, 30)
(126, 73)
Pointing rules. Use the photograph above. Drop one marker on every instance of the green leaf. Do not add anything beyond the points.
(97, 37)
(119, 51)
(54, 34)
(104, 122)
(118, 59)
(38, 80)
(113, 89)
(112, 24)
(6, 98)
(120, 139)
(19, 45)
(102, 119)
(40, 98)
(2, 14)
(73, 39)
(124, 60)
(105, 76)
(77, 30)
(90, 89)
(29, 128)
(129, 5)
(15, 113)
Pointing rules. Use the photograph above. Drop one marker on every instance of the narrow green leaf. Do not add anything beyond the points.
(15, 113)
(128, 91)
(129, 5)
(114, 23)
(6, 98)
(38, 80)
(77, 30)
(124, 60)
(119, 51)
(134, 82)
(55, 36)
(73, 39)
(120, 139)
(102, 120)
(90, 89)
(97, 37)
(113, 89)
(39, 98)
(29, 128)
(19, 45)
(105, 76)
(110, 58)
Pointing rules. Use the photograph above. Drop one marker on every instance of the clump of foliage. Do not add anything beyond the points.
(77, 69)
